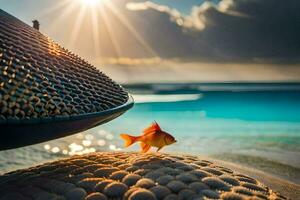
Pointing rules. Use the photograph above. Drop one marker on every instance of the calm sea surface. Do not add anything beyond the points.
(257, 125)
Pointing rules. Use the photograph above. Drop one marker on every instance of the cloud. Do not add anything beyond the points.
(233, 30)
(129, 61)
(191, 21)
(264, 31)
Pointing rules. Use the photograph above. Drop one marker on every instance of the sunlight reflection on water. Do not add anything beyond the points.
(82, 143)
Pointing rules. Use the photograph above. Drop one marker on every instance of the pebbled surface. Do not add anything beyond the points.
(39, 79)
(133, 176)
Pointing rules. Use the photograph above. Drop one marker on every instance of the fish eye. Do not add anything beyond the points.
(170, 139)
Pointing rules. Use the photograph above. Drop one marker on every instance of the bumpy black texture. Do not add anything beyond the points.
(132, 176)
(40, 79)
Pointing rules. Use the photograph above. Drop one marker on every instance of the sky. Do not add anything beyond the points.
(137, 32)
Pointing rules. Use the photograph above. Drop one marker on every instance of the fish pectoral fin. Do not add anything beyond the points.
(145, 147)
(159, 148)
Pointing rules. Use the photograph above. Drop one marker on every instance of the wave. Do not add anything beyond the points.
(206, 87)
(156, 98)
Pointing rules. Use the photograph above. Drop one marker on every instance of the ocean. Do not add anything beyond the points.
(256, 125)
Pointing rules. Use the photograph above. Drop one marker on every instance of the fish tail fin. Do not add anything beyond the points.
(145, 147)
(129, 140)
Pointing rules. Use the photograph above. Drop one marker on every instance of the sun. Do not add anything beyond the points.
(100, 13)
(90, 2)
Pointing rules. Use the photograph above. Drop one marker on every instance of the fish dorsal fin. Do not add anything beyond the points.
(152, 129)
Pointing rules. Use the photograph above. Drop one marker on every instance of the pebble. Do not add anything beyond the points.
(247, 180)
(262, 196)
(129, 192)
(46, 195)
(197, 197)
(89, 183)
(198, 186)
(242, 190)
(210, 194)
(142, 194)
(151, 166)
(160, 191)
(201, 163)
(154, 175)
(79, 177)
(131, 179)
(216, 183)
(145, 183)
(171, 197)
(244, 176)
(186, 177)
(101, 185)
(105, 172)
(186, 168)
(164, 180)
(96, 196)
(186, 194)
(200, 173)
(76, 193)
(252, 186)
(231, 196)
(142, 172)
(64, 188)
(230, 180)
(212, 171)
(176, 186)
(132, 168)
(118, 175)
(115, 189)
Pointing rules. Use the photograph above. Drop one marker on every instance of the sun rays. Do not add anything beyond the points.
(77, 26)
(95, 23)
(90, 3)
(97, 12)
(130, 28)
(111, 32)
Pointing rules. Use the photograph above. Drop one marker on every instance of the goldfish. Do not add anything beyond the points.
(152, 136)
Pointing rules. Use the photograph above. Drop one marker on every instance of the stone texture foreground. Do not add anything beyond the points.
(134, 176)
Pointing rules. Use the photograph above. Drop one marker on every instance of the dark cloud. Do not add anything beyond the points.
(267, 30)
(233, 30)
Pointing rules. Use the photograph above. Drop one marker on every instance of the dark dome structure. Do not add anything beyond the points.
(47, 92)
(133, 176)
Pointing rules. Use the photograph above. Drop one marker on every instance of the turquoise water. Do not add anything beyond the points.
(255, 125)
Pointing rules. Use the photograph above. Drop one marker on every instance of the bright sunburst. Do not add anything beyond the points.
(90, 2)
(97, 11)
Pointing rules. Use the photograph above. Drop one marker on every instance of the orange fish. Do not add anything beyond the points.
(152, 136)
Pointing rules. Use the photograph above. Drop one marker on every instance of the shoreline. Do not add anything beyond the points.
(180, 72)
